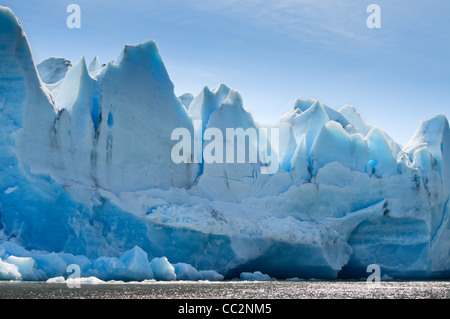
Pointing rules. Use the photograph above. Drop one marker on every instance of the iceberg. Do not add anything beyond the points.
(162, 269)
(87, 179)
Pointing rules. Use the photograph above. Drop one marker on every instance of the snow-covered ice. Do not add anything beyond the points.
(86, 178)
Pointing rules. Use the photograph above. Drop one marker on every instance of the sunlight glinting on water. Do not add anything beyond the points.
(232, 290)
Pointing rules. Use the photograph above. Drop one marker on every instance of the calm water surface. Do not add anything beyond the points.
(230, 290)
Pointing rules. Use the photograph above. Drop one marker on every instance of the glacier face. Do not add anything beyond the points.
(86, 178)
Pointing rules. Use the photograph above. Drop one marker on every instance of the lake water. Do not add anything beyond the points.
(230, 290)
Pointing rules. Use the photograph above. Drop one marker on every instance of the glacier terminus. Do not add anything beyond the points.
(87, 178)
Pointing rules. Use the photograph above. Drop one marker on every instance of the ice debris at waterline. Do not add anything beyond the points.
(86, 178)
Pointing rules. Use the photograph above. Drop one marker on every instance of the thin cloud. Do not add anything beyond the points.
(309, 20)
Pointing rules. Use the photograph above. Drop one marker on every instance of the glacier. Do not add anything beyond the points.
(86, 178)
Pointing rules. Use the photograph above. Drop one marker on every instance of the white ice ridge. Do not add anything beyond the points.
(87, 178)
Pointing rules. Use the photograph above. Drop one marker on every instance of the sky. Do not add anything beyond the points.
(272, 51)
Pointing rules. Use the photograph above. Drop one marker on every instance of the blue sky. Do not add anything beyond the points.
(272, 52)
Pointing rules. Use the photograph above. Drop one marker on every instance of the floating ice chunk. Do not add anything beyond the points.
(133, 265)
(255, 276)
(294, 279)
(56, 280)
(51, 264)
(137, 264)
(386, 277)
(82, 261)
(107, 268)
(88, 281)
(9, 271)
(186, 272)
(25, 266)
(211, 275)
(84, 281)
(162, 269)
